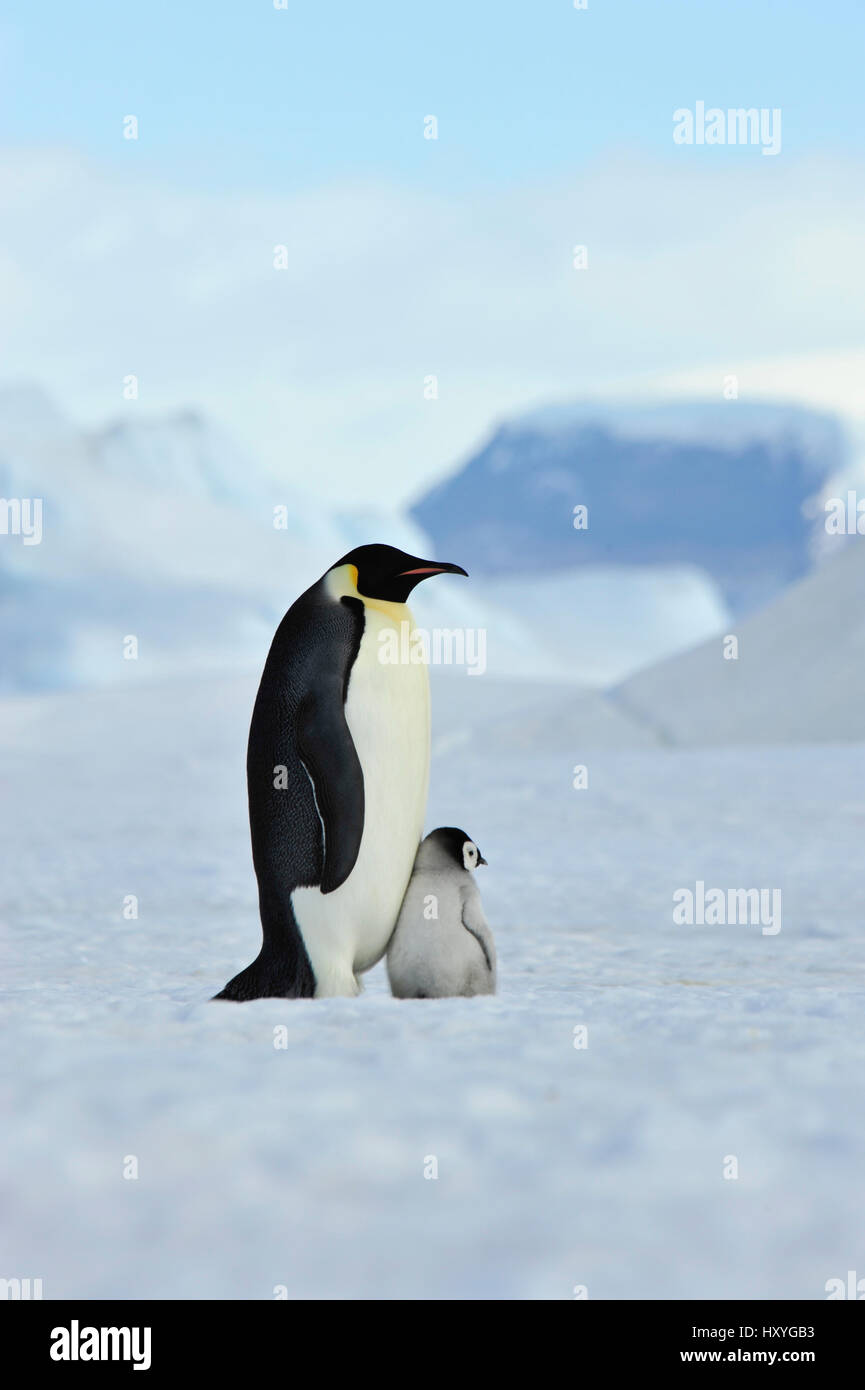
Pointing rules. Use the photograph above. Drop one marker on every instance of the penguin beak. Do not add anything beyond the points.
(481, 860)
(433, 567)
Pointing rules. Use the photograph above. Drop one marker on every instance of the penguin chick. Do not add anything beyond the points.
(442, 945)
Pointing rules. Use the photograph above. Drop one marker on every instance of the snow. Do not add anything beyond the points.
(725, 487)
(304, 1166)
(799, 675)
(162, 528)
(606, 622)
(729, 426)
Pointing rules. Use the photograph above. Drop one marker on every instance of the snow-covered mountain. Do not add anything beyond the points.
(799, 674)
(717, 485)
(164, 530)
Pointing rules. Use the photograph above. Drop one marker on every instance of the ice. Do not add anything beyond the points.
(723, 486)
(303, 1166)
(799, 674)
(162, 528)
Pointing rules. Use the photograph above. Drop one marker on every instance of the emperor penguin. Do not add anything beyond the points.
(442, 944)
(337, 775)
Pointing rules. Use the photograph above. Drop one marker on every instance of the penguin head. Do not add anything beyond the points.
(450, 845)
(388, 574)
(472, 856)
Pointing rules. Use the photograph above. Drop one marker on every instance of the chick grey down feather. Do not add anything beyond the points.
(442, 945)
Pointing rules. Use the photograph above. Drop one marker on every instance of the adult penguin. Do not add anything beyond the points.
(337, 774)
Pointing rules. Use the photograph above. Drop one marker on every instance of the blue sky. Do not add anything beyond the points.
(238, 95)
(410, 257)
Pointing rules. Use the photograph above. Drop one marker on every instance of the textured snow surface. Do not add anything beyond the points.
(304, 1166)
(799, 674)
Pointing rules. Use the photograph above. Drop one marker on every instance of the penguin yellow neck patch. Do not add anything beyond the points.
(342, 583)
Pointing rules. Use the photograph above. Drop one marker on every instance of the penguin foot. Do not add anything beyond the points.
(338, 984)
(269, 977)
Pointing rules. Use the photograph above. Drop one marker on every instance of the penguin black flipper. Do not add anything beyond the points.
(330, 758)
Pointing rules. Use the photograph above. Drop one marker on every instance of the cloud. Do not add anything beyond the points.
(319, 368)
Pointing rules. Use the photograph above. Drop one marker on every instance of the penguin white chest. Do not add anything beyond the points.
(387, 710)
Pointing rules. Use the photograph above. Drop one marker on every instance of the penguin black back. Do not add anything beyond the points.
(298, 742)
